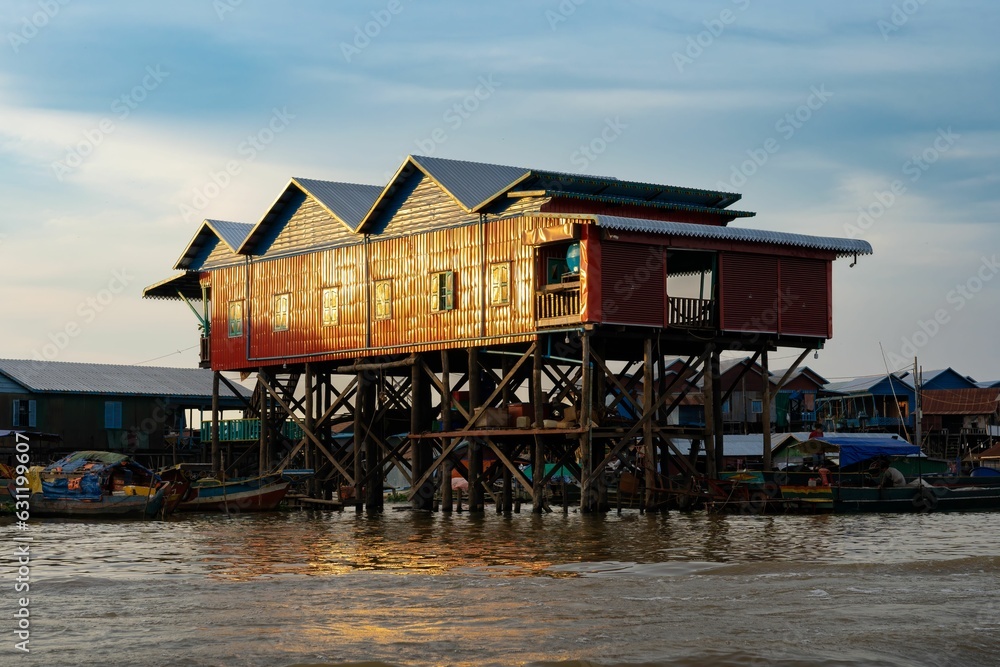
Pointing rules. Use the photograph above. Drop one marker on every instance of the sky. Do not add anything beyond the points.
(126, 124)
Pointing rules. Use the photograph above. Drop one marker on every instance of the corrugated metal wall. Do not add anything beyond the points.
(634, 283)
(749, 292)
(805, 294)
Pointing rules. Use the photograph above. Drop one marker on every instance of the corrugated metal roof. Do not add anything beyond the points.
(232, 233)
(863, 384)
(737, 444)
(843, 247)
(76, 378)
(187, 283)
(801, 370)
(349, 202)
(471, 183)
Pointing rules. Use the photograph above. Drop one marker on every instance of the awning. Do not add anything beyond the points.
(187, 283)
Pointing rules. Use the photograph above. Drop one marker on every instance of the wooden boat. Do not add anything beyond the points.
(94, 484)
(249, 494)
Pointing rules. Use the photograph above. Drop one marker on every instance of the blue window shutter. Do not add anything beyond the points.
(112, 414)
(32, 419)
(15, 413)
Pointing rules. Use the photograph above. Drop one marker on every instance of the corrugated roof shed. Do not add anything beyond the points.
(960, 401)
(863, 384)
(843, 247)
(77, 378)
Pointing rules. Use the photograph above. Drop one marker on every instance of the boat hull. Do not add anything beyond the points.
(236, 497)
(910, 499)
(106, 507)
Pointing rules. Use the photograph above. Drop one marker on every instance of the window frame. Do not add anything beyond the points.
(497, 285)
(382, 306)
(277, 312)
(230, 320)
(115, 422)
(326, 308)
(31, 412)
(756, 406)
(442, 291)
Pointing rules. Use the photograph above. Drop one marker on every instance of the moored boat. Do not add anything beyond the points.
(250, 494)
(94, 484)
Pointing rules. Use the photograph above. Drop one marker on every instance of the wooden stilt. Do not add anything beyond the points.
(446, 466)
(588, 497)
(538, 460)
(359, 442)
(766, 409)
(649, 453)
(264, 416)
(476, 502)
(717, 430)
(708, 393)
(216, 454)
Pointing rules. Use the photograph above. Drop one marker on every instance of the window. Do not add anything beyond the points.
(23, 413)
(331, 306)
(725, 408)
(235, 319)
(383, 300)
(500, 284)
(442, 291)
(281, 303)
(756, 407)
(112, 414)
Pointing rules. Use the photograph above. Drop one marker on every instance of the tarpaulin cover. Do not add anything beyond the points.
(89, 488)
(79, 475)
(855, 450)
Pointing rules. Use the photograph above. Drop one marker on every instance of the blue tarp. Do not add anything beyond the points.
(855, 450)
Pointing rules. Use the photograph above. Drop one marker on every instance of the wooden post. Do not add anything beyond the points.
(310, 421)
(420, 460)
(717, 429)
(263, 444)
(649, 451)
(446, 466)
(507, 495)
(216, 455)
(587, 496)
(538, 461)
(359, 441)
(476, 503)
(766, 408)
(708, 398)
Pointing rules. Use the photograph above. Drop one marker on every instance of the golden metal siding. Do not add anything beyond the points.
(422, 206)
(228, 284)
(309, 225)
(343, 268)
(221, 256)
(504, 244)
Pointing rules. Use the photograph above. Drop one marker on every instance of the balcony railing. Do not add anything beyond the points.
(206, 352)
(690, 313)
(245, 430)
(558, 304)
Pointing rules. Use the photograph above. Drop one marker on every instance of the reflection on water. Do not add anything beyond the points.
(246, 546)
(323, 588)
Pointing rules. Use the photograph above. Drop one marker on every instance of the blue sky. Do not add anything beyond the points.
(116, 117)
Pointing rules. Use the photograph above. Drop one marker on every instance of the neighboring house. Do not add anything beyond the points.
(105, 407)
(958, 419)
(795, 402)
(990, 384)
(871, 402)
(947, 378)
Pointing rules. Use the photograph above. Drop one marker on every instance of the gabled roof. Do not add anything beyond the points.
(841, 246)
(345, 202)
(989, 384)
(960, 401)
(800, 371)
(475, 185)
(864, 384)
(61, 377)
(211, 231)
(934, 379)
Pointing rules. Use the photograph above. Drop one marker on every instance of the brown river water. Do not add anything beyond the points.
(327, 588)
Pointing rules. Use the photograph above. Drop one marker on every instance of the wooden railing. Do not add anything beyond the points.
(690, 313)
(558, 304)
(245, 430)
(206, 352)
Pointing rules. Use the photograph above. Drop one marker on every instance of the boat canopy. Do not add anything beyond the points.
(854, 450)
(79, 475)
